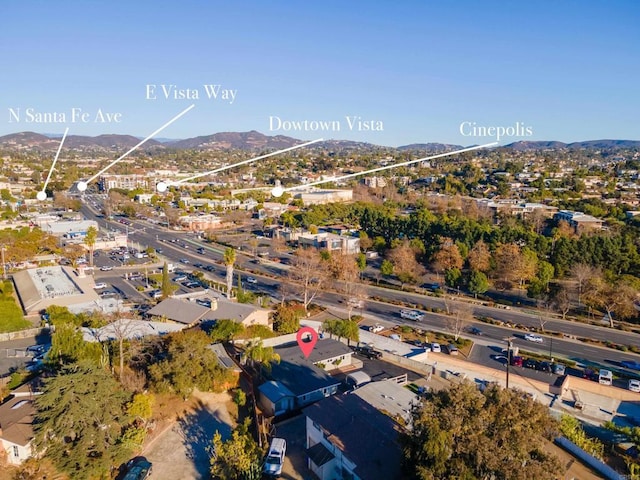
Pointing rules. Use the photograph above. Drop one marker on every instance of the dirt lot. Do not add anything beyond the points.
(180, 451)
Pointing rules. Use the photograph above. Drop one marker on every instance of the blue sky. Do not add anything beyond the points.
(569, 69)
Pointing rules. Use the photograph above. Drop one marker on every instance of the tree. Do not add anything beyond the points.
(478, 283)
(386, 268)
(225, 330)
(562, 301)
(452, 277)
(309, 273)
(479, 257)
(581, 273)
(614, 297)
(257, 355)
(447, 257)
(90, 241)
(462, 433)
(513, 264)
(68, 347)
(405, 264)
(186, 363)
(229, 260)
(286, 318)
(166, 287)
(140, 407)
(461, 318)
(238, 458)
(81, 421)
(343, 329)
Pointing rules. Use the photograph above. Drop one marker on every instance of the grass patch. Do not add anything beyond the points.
(11, 317)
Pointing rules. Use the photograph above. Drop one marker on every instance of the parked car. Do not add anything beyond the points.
(185, 261)
(252, 280)
(532, 337)
(559, 369)
(634, 385)
(106, 268)
(530, 363)
(100, 286)
(376, 328)
(274, 461)
(544, 367)
(452, 349)
(138, 468)
(431, 286)
(436, 348)
(516, 361)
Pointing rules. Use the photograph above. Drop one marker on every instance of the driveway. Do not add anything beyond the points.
(181, 452)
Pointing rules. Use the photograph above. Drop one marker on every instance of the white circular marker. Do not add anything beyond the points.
(82, 186)
(277, 191)
(41, 196)
(161, 187)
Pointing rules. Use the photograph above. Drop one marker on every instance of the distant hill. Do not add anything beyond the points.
(106, 141)
(235, 140)
(31, 140)
(256, 141)
(595, 144)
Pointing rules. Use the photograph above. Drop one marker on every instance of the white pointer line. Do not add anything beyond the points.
(227, 167)
(140, 143)
(46, 182)
(388, 167)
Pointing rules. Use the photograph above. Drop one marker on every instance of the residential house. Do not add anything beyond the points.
(346, 437)
(190, 313)
(298, 381)
(16, 420)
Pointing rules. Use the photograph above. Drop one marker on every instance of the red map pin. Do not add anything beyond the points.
(307, 338)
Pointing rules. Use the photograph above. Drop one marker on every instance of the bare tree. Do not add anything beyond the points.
(581, 273)
(309, 273)
(562, 301)
(542, 308)
(460, 320)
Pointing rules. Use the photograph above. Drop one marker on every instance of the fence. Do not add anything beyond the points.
(31, 332)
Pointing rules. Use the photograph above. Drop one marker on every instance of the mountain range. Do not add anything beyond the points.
(256, 141)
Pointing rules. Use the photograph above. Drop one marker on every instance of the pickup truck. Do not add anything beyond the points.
(368, 351)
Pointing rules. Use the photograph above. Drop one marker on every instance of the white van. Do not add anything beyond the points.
(275, 458)
(605, 377)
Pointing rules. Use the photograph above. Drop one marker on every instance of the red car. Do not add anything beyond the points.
(516, 361)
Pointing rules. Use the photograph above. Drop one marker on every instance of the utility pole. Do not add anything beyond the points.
(4, 265)
(509, 339)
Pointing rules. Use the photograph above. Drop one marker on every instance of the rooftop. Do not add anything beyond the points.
(365, 436)
(324, 349)
(16, 418)
(389, 397)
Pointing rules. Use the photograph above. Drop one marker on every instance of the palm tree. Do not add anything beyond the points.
(229, 260)
(257, 355)
(90, 241)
